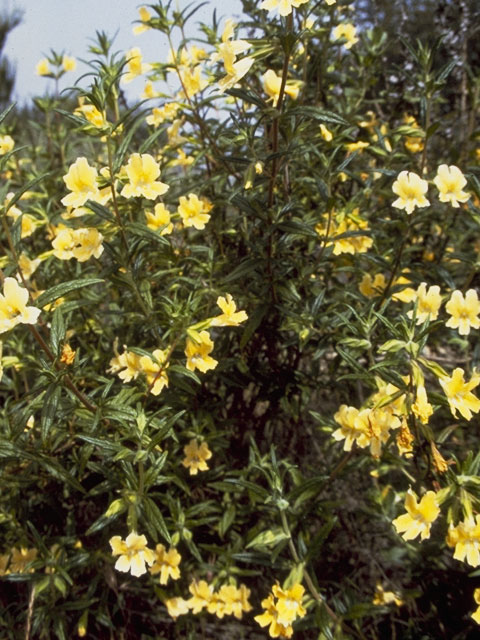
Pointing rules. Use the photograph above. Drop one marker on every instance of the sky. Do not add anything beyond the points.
(68, 26)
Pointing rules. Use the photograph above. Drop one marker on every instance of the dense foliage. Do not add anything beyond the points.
(239, 331)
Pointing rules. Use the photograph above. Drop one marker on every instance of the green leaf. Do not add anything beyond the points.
(63, 288)
(268, 538)
(49, 408)
(57, 330)
(156, 519)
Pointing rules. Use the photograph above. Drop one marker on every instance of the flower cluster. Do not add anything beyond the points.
(341, 224)
(229, 600)
(17, 561)
(129, 366)
(80, 244)
(282, 608)
(411, 189)
(465, 537)
(228, 51)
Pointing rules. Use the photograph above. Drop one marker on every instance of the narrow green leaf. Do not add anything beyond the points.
(63, 288)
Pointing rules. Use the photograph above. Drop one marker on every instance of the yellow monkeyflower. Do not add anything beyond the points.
(163, 114)
(42, 68)
(459, 393)
(465, 537)
(155, 372)
(166, 563)
(450, 182)
(347, 31)
(421, 407)
(371, 287)
(194, 211)
(419, 517)
(350, 244)
(284, 7)
(383, 597)
(289, 603)
(428, 303)
(135, 65)
(228, 51)
(476, 614)
(81, 244)
(376, 425)
(69, 63)
(192, 81)
(127, 365)
(20, 559)
(176, 607)
(196, 457)
(414, 144)
(6, 144)
(142, 172)
(326, 134)
(350, 430)
(13, 306)
(197, 351)
(464, 311)
(133, 554)
(81, 180)
(90, 113)
(159, 219)
(230, 316)
(411, 190)
(272, 85)
(145, 16)
(27, 266)
(356, 146)
(232, 600)
(202, 595)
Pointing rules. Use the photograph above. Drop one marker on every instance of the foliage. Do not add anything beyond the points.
(239, 328)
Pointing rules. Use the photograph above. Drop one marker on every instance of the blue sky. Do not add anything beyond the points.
(68, 26)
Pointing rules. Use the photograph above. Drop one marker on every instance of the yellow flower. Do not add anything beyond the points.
(133, 553)
(196, 457)
(149, 92)
(465, 537)
(6, 144)
(450, 182)
(464, 311)
(182, 160)
(81, 180)
(407, 294)
(350, 430)
(232, 601)
(163, 114)
(347, 31)
(166, 563)
(68, 355)
(228, 51)
(284, 7)
(42, 68)
(90, 113)
(13, 306)
(376, 425)
(476, 614)
(356, 146)
(20, 559)
(176, 607)
(155, 372)
(81, 244)
(192, 81)
(272, 84)
(194, 211)
(134, 65)
(372, 287)
(383, 597)
(428, 303)
(459, 393)
(350, 244)
(326, 134)
(414, 144)
(422, 408)
(202, 594)
(159, 219)
(27, 266)
(197, 351)
(230, 316)
(69, 63)
(289, 606)
(419, 517)
(411, 190)
(128, 364)
(144, 17)
(142, 172)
